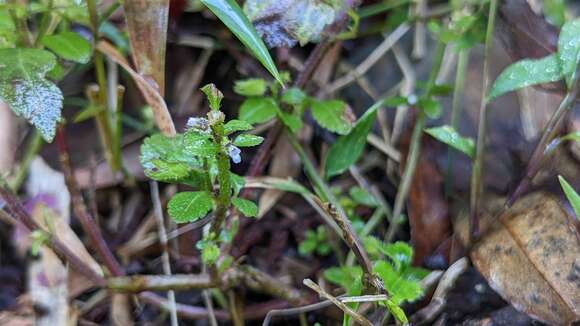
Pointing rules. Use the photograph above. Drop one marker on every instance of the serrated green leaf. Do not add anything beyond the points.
(449, 136)
(237, 125)
(363, 197)
(163, 158)
(258, 109)
(525, 73)
(348, 148)
(199, 144)
(572, 195)
(25, 89)
(189, 206)
(250, 87)
(569, 48)
(247, 140)
(332, 115)
(400, 253)
(230, 13)
(210, 251)
(69, 45)
(400, 288)
(291, 120)
(246, 207)
(293, 96)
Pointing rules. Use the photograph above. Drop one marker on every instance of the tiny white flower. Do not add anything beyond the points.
(201, 124)
(234, 153)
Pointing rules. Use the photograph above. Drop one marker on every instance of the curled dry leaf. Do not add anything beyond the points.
(147, 27)
(150, 92)
(531, 257)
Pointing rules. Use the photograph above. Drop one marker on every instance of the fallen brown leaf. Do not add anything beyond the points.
(531, 256)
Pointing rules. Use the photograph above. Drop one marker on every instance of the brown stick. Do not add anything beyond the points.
(87, 222)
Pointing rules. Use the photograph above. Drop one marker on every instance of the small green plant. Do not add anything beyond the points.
(315, 242)
(392, 263)
(266, 101)
(200, 158)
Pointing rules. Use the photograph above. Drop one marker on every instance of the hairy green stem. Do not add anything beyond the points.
(462, 63)
(478, 173)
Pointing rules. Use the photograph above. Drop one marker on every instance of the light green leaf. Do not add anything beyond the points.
(573, 136)
(69, 45)
(401, 289)
(345, 277)
(199, 144)
(258, 109)
(214, 96)
(449, 136)
(431, 107)
(210, 251)
(291, 120)
(246, 207)
(293, 96)
(189, 206)
(250, 87)
(237, 183)
(363, 197)
(397, 312)
(164, 159)
(348, 148)
(555, 11)
(230, 13)
(527, 72)
(24, 87)
(572, 196)
(569, 48)
(332, 115)
(247, 140)
(237, 125)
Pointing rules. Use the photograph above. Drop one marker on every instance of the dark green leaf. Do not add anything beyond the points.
(189, 206)
(569, 48)
(332, 115)
(401, 289)
(572, 195)
(237, 125)
(449, 136)
(246, 207)
(247, 140)
(291, 120)
(250, 87)
(348, 148)
(526, 73)
(25, 89)
(258, 109)
(230, 13)
(68, 45)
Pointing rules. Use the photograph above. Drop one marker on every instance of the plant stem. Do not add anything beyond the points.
(33, 147)
(338, 214)
(102, 118)
(415, 148)
(462, 63)
(223, 199)
(478, 173)
(23, 33)
(552, 129)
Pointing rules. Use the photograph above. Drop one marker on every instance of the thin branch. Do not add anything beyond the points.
(87, 222)
(477, 173)
(163, 242)
(177, 282)
(355, 316)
